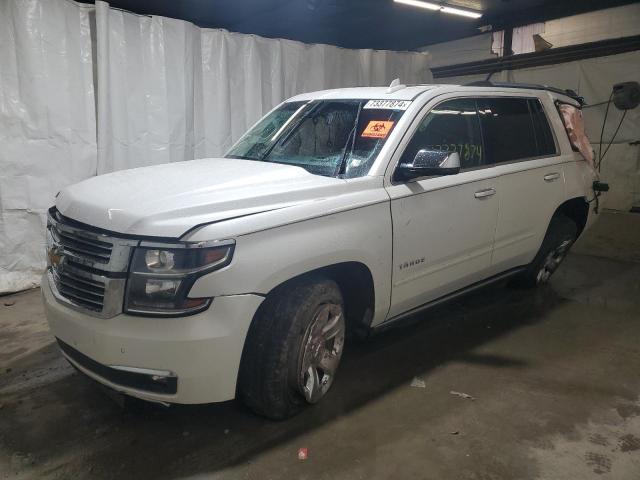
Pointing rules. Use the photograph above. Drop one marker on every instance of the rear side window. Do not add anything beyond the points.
(544, 137)
(514, 129)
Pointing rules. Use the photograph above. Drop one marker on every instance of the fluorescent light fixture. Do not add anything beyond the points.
(459, 11)
(420, 4)
(440, 8)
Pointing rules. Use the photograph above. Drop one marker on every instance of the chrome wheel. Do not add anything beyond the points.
(321, 353)
(553, 260)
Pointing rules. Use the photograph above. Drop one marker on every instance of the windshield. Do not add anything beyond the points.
(335, 138)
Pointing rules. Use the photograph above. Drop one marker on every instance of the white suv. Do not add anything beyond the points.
(340, 211)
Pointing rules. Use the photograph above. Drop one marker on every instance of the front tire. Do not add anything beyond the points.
(293, 348)
(560, 236)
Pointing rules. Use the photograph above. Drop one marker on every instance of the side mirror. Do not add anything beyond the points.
(428, 163)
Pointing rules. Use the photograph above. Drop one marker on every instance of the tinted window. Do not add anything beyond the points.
(451, 126)
(544, 137)
(507, 129)
(514, 129)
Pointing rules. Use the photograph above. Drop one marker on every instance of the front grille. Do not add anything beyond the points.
(87, 267)
(82, 290)
(82, 246)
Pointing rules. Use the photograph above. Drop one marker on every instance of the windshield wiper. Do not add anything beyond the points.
(343, 161)
(240, 157)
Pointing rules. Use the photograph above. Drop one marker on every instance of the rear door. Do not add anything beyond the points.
(520, 144)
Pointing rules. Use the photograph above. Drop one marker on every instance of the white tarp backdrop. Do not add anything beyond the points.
(166, 91)
(47, 124)
(170, 91)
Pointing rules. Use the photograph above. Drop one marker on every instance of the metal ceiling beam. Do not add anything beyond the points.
(537, 59)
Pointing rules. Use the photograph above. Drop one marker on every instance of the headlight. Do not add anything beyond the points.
(161, 276)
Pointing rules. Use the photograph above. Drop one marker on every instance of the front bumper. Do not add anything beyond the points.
(201, 351)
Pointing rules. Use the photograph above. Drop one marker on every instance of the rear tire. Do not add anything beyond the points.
(293, 348)
(560, 236)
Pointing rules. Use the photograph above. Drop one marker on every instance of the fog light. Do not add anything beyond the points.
(160, 287)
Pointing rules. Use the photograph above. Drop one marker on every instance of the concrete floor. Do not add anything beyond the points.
(555, 376)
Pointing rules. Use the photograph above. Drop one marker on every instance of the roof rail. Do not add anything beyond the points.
(532, 86)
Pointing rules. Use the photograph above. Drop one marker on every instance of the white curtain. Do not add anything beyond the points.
(170, 91)
(47, 124)
(166, 91)
(522, 39)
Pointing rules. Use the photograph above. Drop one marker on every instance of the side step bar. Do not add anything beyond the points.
(398, 319)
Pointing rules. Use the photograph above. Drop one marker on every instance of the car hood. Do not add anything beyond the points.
(170, 199)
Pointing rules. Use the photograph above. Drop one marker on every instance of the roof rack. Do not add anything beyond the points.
(532, 86)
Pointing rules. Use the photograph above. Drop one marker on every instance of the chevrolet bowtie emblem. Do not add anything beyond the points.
(55, 256)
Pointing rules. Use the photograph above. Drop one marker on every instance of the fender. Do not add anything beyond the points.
(263, 260)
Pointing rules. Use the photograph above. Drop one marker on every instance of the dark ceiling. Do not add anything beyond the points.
(378, 24)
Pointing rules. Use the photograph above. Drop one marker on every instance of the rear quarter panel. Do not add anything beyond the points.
(579, 177)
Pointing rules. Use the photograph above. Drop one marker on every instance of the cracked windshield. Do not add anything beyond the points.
(334, 138)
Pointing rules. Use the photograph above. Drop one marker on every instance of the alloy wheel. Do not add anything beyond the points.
(322, 351)
(552, 261)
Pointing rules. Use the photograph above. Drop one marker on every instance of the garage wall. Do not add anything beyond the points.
(594, 26)
(166, 91)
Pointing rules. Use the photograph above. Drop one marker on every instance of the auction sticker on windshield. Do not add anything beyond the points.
(377, 129)
(388, 104)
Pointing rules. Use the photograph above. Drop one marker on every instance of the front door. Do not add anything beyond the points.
(443, 227)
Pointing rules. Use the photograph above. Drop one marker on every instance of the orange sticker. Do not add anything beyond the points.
(377, 129)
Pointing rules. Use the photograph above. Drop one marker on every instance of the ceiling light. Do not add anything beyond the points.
(420, 4)
(459, 11)
(441, 8)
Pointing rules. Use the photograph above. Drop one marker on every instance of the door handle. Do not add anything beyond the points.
(550, 177)
(487, 192)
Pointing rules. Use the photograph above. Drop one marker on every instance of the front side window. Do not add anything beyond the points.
(336, 138)
(451, 126)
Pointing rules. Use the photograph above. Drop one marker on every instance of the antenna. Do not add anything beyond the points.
(395, 85)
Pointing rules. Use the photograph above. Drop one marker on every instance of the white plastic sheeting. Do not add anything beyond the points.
(522, 39)
(464, 50)
(47, 124)
(167, 91)
(171, 91)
